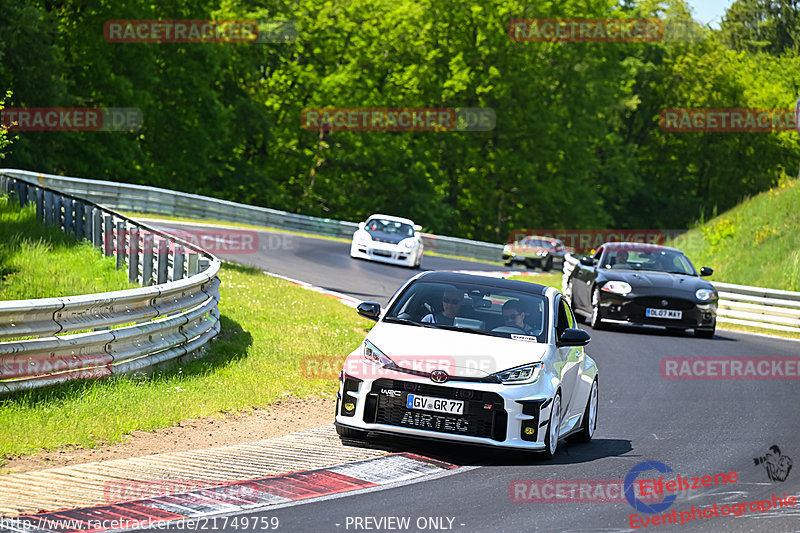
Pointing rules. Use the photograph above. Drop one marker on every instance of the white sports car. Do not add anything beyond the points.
(388, 239)
(471, 359)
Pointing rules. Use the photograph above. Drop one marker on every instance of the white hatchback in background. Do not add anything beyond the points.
(388, 239)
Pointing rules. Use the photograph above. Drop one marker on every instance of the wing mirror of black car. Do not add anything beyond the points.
(587, 261)
(574, 337)
(369, 310)
(706, 271)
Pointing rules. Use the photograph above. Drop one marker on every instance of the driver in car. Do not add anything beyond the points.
(451, 304)
(514, 316)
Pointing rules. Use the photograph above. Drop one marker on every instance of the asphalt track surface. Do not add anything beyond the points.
(697, 428)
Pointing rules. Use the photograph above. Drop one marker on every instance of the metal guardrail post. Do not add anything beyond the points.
(40, 213)
(49, 209)
(133, 255)
(23, 194)
(121, 247)
(97, 227)
(147, 259)
(87, 222)
(68, 219)
(163, 261)
(108, 235)
(177, 263)
(192, 264)
(58, 206)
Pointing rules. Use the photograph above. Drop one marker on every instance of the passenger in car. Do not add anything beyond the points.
(451, 304)
(514, 316)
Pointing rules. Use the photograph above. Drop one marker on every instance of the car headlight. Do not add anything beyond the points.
(541, 253)
(704, 295)
(375, 356)
(520, 375)
(617, 287)
(408, 244)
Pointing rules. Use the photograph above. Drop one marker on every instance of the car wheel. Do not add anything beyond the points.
(548, 266)
(350, 433)
(532, 264)
(508, 263)
(705, 333)
(589, 422)
(551, 437)
(597, 319)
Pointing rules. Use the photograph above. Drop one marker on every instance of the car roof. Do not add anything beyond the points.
(637, 246)
(500, 283)
(393, 219)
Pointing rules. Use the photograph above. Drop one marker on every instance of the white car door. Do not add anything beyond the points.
(569, 364)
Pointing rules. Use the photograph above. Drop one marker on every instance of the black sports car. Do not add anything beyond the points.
(643, 284)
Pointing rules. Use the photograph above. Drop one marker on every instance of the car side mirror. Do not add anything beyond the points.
(706, 271)
(369, 310)
(417, 227)
(362, 225)
(574, 337)
(587, 261)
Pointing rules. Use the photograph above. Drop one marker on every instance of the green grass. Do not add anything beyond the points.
(39, 261)
(547, 279)
(269, 326)
(756, 243)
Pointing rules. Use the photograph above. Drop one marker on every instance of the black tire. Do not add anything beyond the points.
(509, 263)
(548, 265)
(533, 263)
(550, 451)
(350, 433)
(589, 421)
(705, 333)
(596, 320)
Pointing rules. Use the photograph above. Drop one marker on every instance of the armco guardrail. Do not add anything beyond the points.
(739, 304)
(172, 316)
(144, 199)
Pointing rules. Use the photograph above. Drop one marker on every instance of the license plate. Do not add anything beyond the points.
(439, 405)
(664, 313)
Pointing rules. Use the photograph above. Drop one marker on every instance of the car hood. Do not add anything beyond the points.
(458, 353)
(644, 279)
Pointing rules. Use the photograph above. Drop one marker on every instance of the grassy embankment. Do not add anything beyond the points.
(269, 327)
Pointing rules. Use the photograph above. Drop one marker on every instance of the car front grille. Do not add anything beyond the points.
(484, 413)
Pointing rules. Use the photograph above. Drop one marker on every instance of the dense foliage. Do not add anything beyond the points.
(576, 144)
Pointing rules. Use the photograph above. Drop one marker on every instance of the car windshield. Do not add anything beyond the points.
(652, 260)
(478, 309)
(382, 225)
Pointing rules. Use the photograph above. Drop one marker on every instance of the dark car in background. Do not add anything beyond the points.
(535, 251)
(643, 284)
